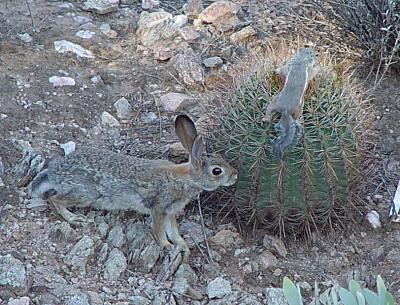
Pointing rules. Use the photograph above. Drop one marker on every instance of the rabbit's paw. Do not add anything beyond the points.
(78, 220)
(181, 248)
(166, 245)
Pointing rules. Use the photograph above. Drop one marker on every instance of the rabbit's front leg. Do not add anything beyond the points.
(171, 226)
(158, 228)
(73, 219)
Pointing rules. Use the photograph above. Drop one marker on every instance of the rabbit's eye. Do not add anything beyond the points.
(217, 171)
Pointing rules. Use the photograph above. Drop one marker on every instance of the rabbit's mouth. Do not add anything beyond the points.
(232, 180)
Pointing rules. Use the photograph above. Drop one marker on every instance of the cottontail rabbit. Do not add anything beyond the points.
(101, 179)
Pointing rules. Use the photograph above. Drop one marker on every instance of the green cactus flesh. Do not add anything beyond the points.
(311, 187)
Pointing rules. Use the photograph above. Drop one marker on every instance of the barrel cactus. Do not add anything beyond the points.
(312, 188)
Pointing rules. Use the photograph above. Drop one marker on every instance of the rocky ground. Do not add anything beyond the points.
(114, 75)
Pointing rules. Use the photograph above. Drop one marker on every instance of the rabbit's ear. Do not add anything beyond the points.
(197, 152)
(186, 131)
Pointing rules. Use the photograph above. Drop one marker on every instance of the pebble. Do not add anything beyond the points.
(106, 30)
(68, 147)
(213, 62)
(275, 296)
(226, 238)
(85, 34)
(176, 101)
(80, 20)
(123, 108)
(275, 245)
(25, 37)
(188, 67)
(218, 288)
(79, 255)
(116, 236)
(19, 301)
(149, 117)
(243, 35)
(64, 46)
(150, 4)
(60, 81)
(373, 219)
(101, 6)
(108, 120)
(115, 265)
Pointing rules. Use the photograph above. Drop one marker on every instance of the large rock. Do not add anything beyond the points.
(115, 265)
(275, 296)
(19, 301)
(12, 275)
(275, 245)
(193, 8)
(143, 251)
(79, 255)
(176, 101)
(116, 237)
(185, 278)
(218, 288)
(226, 239)
(221, 14)
(158, 27)
(101, 6)
(243, 35)
(188, 67)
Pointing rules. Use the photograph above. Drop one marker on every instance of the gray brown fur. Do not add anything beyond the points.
(101, 179)
(298, 73)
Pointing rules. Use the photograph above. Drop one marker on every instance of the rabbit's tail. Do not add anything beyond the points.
(41, 187)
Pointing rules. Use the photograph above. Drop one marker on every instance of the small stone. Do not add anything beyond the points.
(123, 108)
(193, 8)
(60, 81)
(221, 14)
(25, 37)
(188, 33)
(115, 265)
(266, 260)
(101, 6)
(188, 67)
(149, 117)
(65, 46)
(77, 298)
(185, 278)
(243, 35)
(213, 62)
(155, 28)
(79, 255)
(106, 30)
(20, 301)
(373, 219)
(108, 120)
(96, 79)
(139, 300)
(275, 245)
(80, 20)
(180, 21)
(275, 296)
(226, 239)
(103, 228)
(378, 198)
(176, 101)
(95, 298)
(85, 34)
(218, 288)
(150, 4)
(12, 274)
(116, 237)
(68, 147)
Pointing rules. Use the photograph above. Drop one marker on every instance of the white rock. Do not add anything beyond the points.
(123, 108)
(373, 218)
(106, 30)
(180, 20)
(101, 6)
(25, 37)
(63, 46)
(275, 296)
(96, 79)
(149, 117)
(149, 4)
(212, 62)
(176, 101)
(115, 265)
(218, 288)
(60, 81)
(20, 301)
(80, 20)
(85, 34)
(68, 147)
(108, 120)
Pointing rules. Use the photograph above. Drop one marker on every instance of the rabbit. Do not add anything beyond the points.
(102, 179)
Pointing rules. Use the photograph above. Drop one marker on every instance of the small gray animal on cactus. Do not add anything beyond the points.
(313, 188)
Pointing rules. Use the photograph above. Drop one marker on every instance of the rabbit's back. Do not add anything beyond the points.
(106, 180)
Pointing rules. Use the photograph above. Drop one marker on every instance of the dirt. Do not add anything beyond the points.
(43, 115)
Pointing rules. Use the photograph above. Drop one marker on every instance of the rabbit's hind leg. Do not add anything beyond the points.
(172, 228)
(73, 219)
(158, 228)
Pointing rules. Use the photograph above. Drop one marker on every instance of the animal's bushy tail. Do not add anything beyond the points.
(289, 134)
